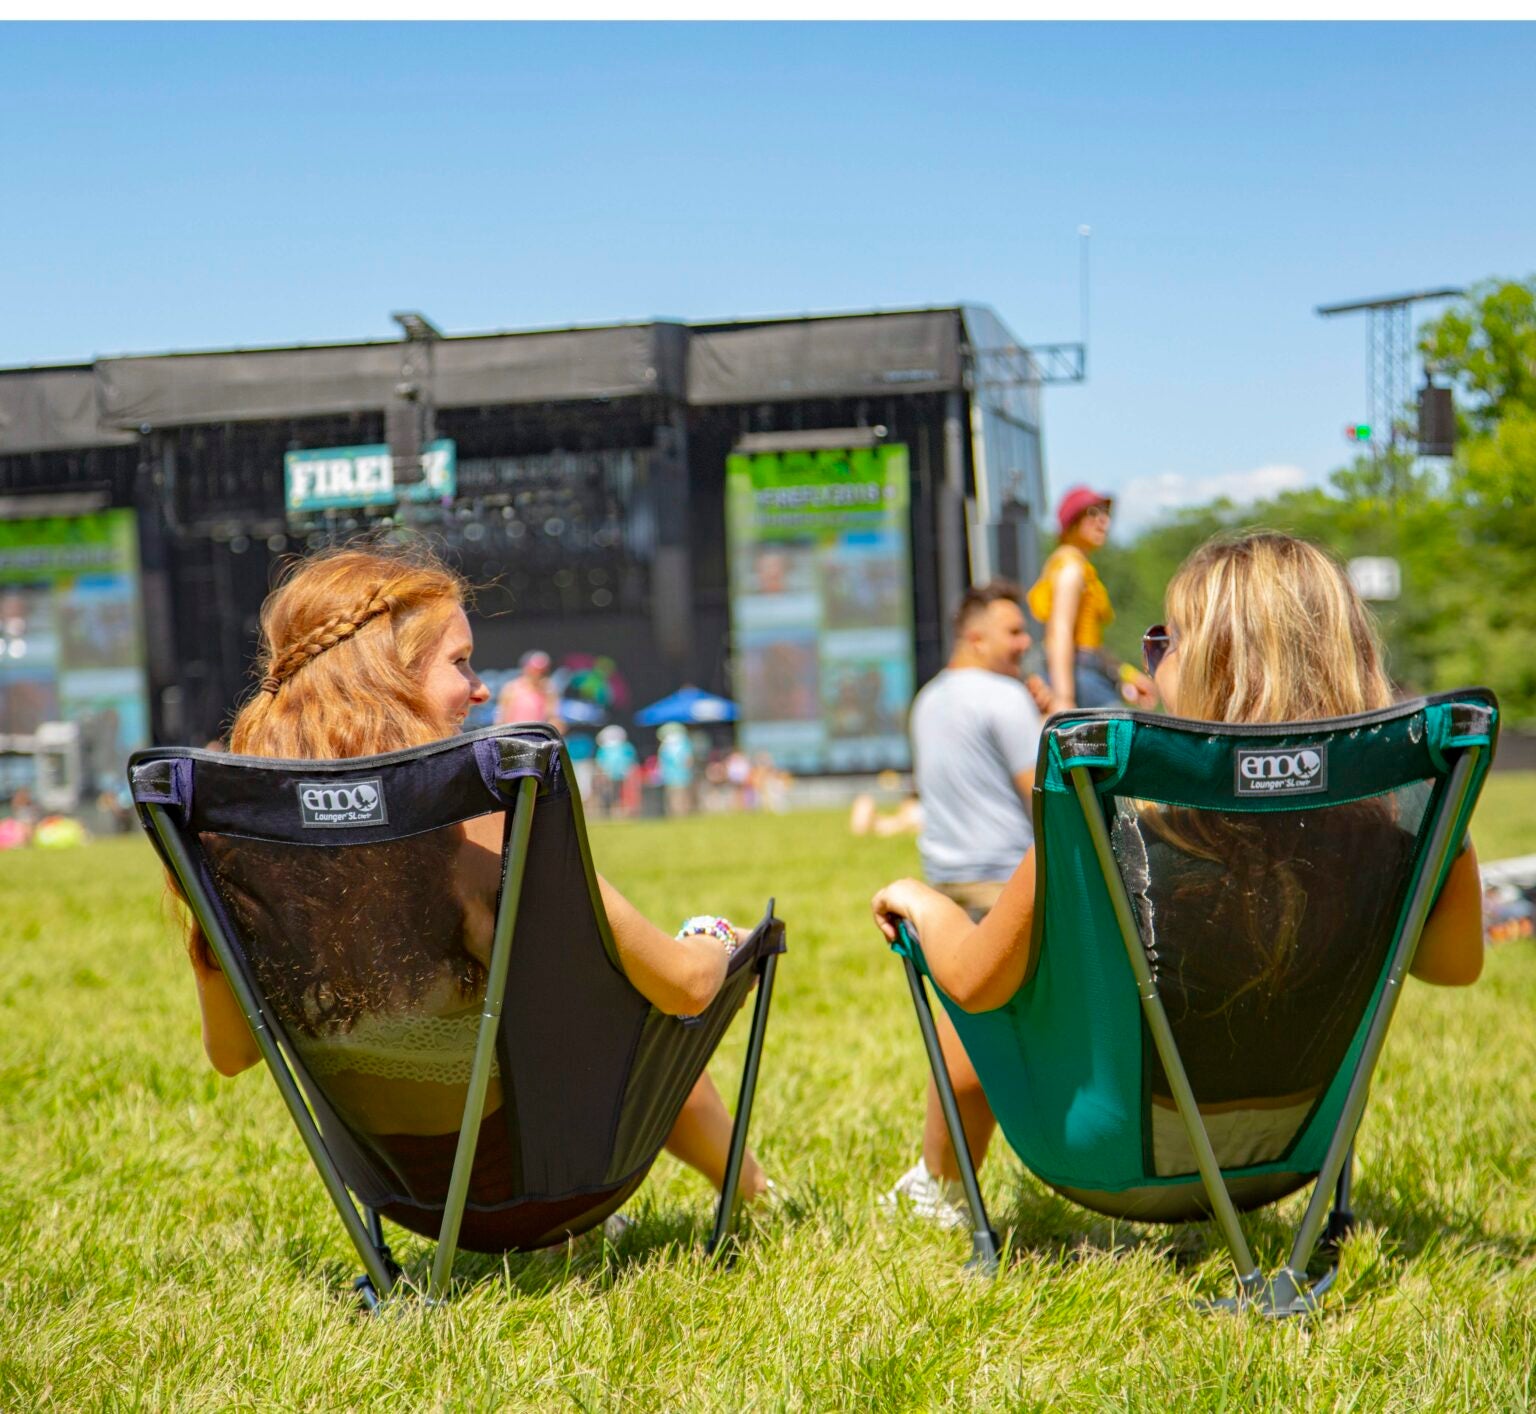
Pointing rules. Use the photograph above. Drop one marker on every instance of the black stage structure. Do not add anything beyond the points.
(590, 475)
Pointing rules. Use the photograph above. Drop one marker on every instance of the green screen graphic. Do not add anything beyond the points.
(71, 636)
(821, 606)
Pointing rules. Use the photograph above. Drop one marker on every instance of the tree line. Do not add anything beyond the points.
(1463, 530)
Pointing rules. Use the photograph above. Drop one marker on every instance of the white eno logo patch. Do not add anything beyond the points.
(1289, 772)
(335, 805)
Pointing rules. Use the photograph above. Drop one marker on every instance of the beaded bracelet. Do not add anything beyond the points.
(717, 928)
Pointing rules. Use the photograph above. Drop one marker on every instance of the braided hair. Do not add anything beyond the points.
(345, 640)
(328, 635)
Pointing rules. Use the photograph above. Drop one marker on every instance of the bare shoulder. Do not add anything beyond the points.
(1072, 568)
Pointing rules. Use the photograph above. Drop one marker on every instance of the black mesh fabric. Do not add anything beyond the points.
(1266, 935)
(372, 957)
(368, 946)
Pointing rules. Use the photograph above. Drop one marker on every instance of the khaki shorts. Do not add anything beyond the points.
(974, 896)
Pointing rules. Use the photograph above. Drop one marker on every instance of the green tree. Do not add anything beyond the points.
(1488, 347)
(1464, 533)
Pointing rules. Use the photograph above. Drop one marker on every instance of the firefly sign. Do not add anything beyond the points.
(325, 477)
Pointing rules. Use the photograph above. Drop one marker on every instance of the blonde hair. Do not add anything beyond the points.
(344, 640)
(1269, 629)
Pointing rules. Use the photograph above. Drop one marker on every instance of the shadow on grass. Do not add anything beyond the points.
(593, 1259)
(1040, 1224)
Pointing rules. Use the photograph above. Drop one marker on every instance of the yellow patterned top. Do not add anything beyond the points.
(1093, 608)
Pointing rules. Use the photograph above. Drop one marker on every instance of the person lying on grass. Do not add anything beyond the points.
(365, 651)
(1260, 628)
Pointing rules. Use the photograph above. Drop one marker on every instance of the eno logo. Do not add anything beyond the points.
(1301, 768)
(338, 804)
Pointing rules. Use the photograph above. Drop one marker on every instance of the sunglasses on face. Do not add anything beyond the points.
(1156, 643)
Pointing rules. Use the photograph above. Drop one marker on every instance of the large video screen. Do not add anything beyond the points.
(821, 606)
(71, 638)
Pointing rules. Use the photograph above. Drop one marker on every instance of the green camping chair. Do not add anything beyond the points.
(562, 1080)
(1224, 917)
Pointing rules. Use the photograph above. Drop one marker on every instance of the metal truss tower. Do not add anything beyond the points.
(1389, 362)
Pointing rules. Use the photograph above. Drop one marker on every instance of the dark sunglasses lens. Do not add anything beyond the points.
(1154, 647)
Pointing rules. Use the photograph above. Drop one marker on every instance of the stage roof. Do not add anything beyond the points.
(105, 403)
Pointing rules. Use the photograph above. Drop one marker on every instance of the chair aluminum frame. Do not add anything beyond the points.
(1289, 1291)
(381, 1274)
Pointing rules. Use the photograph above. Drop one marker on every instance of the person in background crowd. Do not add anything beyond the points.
(738, 775)
(16, 826)
(530, 696)
(674, 754)
(24, 808)
(583, 752)
(975, 735)
(114, 811)
(1069, 598)
(865, 817)
(617, 763)
(770, 786)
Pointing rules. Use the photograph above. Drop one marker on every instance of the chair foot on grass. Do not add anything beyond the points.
(984, 1259)
(367, 1293)
(1277, 1299)
(1341, 1222)
(368, 1298)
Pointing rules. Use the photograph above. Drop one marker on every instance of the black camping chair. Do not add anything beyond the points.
(589, 1076)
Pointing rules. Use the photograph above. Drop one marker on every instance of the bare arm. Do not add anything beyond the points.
(680, 976)
(1450, 951)
(1061, 634)
(978, 966)
(1024, 783)
(226, 1036)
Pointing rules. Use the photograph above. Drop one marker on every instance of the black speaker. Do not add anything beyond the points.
(405, 431)
(1437, 422)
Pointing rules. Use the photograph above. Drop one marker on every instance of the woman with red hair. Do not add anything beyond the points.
(367, 651)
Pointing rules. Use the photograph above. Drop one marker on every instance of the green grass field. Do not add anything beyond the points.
(164, 1243)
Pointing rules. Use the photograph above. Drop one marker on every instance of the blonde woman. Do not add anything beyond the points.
(365, 651)
(1260, 628)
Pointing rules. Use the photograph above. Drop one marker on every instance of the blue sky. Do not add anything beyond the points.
(177, 186)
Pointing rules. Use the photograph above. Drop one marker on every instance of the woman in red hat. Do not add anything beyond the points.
(1069, 598)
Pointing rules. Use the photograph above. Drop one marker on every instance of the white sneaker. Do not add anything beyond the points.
(615, 1225)
(938, 1200)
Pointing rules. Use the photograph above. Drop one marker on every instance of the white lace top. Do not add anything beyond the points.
(439, 1049)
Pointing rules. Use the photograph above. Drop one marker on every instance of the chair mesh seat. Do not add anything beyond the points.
(365, 929)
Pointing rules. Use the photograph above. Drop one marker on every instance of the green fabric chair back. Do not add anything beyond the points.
(1270, 870)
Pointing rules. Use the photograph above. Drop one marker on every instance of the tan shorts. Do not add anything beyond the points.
(975, 896)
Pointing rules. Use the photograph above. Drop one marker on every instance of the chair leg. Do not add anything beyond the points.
(984, 1244)
(367, 1291)
(1341, 1221)
(376, 1234)
(725, 1213)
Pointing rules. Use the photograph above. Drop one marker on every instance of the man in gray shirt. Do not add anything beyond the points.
(975, 734)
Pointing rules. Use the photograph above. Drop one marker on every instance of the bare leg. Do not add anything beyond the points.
(975, 1113)
(701, 1138)
(861, 816)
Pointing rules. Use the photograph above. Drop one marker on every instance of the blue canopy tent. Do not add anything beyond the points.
(690, 705)
(577, 713)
